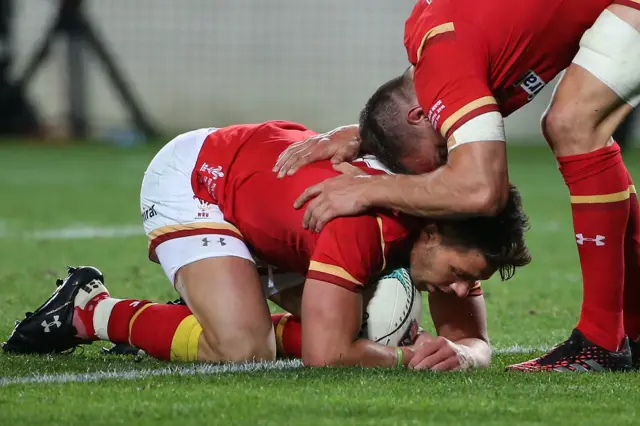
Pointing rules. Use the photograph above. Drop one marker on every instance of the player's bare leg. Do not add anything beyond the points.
(597, 92)
(226, 298)
(226, 318)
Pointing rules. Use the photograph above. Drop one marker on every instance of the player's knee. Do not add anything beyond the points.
(243, 345)
(567, 130)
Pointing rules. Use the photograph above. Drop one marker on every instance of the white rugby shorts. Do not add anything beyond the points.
(181, 228)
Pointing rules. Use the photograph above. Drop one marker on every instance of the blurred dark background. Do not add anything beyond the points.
(128, 71)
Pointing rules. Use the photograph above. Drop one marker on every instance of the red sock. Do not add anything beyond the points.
(599, 188)
(118, 318)
(288, 335)
(168, 332)
(632, 268)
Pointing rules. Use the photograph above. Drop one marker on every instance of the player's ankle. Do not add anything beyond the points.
(83, 318)
(81, 324)
(609, 341)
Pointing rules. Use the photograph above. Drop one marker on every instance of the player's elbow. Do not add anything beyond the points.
(487, 200)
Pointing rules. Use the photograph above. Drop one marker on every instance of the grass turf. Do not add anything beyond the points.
(53, 188)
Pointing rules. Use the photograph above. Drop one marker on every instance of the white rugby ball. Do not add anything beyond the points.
(392, 315)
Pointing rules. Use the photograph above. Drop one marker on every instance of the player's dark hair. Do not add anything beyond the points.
(383, 131)
(500, 238)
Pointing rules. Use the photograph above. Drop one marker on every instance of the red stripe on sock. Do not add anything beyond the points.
(601, 172)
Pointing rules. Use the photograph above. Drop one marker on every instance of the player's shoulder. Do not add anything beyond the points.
(377, 226)
(283, 129)
(264, 128)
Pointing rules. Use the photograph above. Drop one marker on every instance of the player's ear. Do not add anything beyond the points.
(430, 234)
(415, 115)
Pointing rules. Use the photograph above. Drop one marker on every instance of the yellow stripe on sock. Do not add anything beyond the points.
(279, 332)
(184, 346)
(605, 198)
(632, 189)
(135, 317)
(194, 342)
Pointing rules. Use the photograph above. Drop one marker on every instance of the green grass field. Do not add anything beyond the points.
(79, 205)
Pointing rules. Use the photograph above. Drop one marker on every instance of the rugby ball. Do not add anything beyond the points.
(393, 310)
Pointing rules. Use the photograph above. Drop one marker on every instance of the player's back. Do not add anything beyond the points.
(261, 206)
(519, 45)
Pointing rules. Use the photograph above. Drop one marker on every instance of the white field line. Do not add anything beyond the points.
(132, 374)
(520, 350)
(191, 370)
(82, 232)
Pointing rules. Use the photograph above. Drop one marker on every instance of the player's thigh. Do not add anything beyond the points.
(599, 88)
(191, 240)
(225, 295)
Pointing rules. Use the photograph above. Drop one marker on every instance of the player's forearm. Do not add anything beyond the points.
(363, 353)
(371, 354)
(475, 353)
(444, 192)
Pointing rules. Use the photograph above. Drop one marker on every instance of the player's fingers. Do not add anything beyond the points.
(320, 211)
(346, 152)
(287, 153)
(308, 214)
(421, 353)
(317, 150)
(448, 364)
(308, 194)
(349, 169)
(309, 218)
(323, 217)
(290, 160)
(302, 160)
(321, 150)
(434, 359)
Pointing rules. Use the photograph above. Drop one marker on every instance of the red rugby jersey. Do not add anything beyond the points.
(473, 57)
(234, 170)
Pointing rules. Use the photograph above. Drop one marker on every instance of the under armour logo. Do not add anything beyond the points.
(93, 285)
(205, 242)
(221, 242)
(599, 239)
(47, 325)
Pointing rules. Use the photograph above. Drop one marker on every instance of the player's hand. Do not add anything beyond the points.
(338, 145)
(437, 354)
(335, 197)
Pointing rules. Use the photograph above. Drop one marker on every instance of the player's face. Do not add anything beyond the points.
(439, 267)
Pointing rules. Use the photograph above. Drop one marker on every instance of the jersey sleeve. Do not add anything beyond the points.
(349, 252)
(450, 84)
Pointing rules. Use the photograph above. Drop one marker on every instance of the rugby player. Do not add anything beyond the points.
(474, 63)
(209, 195)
